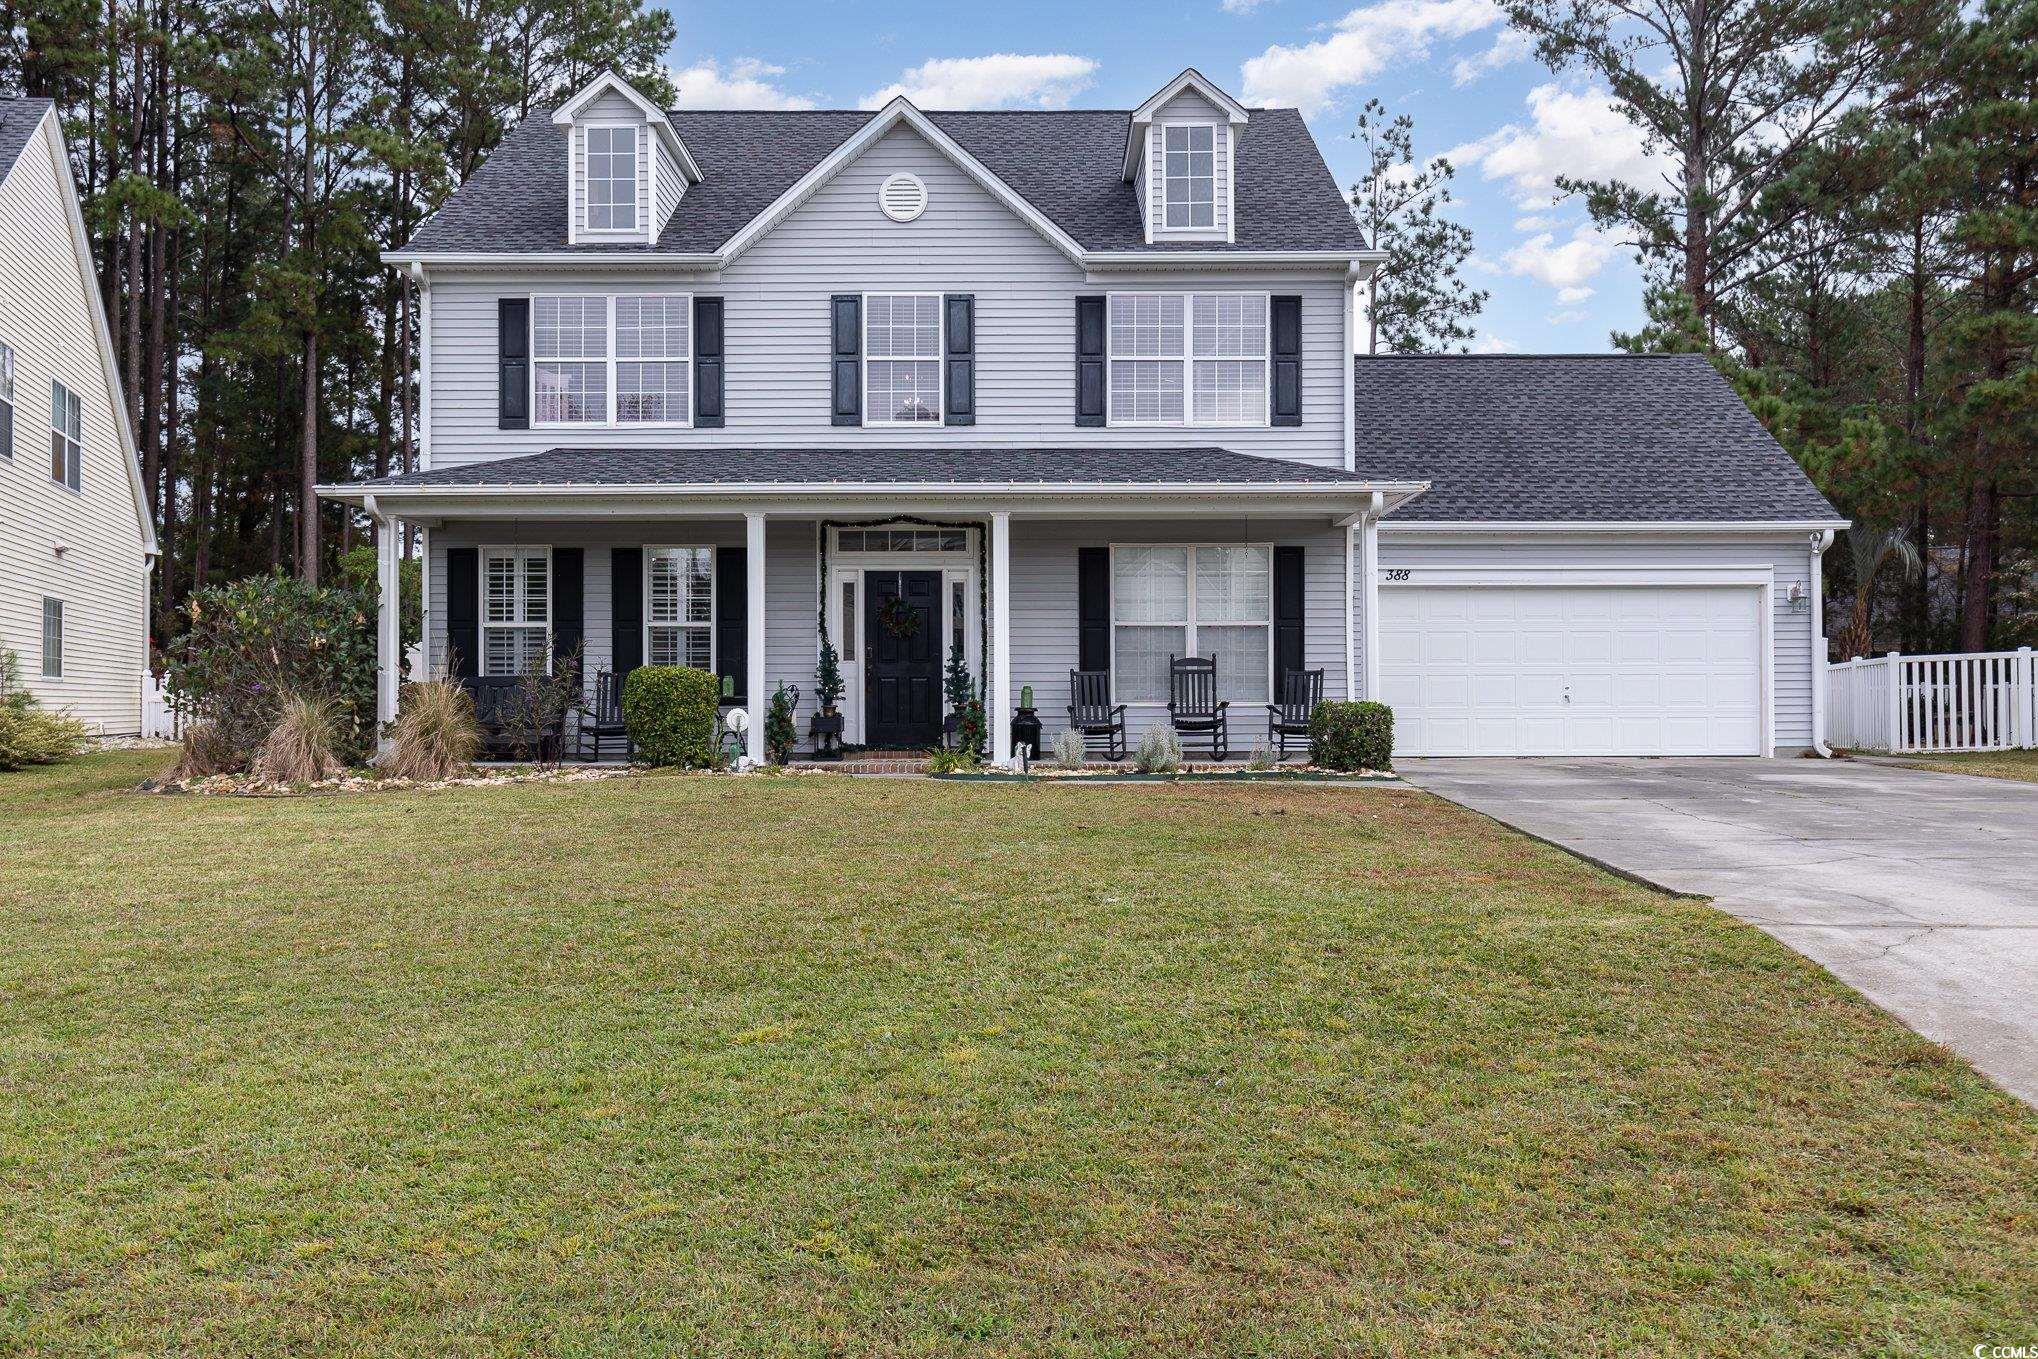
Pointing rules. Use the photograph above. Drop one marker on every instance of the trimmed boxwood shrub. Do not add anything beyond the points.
(1352, 736)
(669, 711)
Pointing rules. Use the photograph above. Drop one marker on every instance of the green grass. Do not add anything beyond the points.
(813, 1066)
(1996, 764)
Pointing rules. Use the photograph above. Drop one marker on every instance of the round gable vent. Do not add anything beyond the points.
(902, 197)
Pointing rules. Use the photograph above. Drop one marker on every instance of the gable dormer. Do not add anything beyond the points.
(627, 169)
(1179, 155)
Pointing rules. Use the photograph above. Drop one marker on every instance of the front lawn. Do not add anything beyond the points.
(1995, 764)
(812, 1066)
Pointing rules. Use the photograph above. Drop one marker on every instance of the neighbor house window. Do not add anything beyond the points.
(53, 639)
(644, 377)
(1188, 358)
(1189, 176)
(6, 401)
(67, 435)
(679, 613)
(516, 610)
(902, 365)
(612, 179)
(1215, 602)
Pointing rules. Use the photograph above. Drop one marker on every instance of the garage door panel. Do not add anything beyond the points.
(1579, 670)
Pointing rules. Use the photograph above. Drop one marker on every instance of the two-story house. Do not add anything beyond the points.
(76, 542)
(1075, 390)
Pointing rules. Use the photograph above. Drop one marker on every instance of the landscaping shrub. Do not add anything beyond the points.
(1158, 752)
(533, 717)
(254, 642)
(780, 734)
(436, 735)
(958, 761)
(1352, 736)
(300, 748)
(1067, 750)
(669, 711)
(203, 752)
(28, 733)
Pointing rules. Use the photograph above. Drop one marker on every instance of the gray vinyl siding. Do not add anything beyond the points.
(1789, 559)
(47, 299)
(611, 108)
(777, 328)
(1188, 107)
(671, 185)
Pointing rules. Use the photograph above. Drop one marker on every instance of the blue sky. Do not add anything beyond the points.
(1474, 91)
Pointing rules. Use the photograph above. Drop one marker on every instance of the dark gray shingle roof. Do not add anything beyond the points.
(1067, 164)
(18, 119)
(904, 466)
(1592, 437)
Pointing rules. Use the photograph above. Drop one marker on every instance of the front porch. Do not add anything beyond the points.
(1020, 586)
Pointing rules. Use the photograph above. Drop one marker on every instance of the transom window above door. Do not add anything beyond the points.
(1189, 176)
(612, 359)
(1210, 601)
(1188, 358)
(612, 178)
(902, 358)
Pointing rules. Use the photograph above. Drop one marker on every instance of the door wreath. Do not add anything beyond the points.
(898, 619)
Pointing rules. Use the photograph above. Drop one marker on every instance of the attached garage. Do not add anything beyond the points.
(1564, 663)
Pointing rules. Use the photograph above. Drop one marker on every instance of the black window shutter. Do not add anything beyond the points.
(732, 619)
(569, 610)
(513, 362)
(1093, 608)
(626, 610)
(463, 611)
(707, 363)
(959, 370)
(1090, 377)
(1287, 610)
(1287, 353)
(845, 324)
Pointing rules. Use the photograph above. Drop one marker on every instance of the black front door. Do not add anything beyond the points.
(902, 659)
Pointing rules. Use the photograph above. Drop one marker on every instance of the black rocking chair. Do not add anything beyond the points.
(602, 719)
(504, 735)
(1301, 691)
(1093, 715)
(1193, 706)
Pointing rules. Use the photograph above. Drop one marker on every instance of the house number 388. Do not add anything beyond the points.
(1396, 573)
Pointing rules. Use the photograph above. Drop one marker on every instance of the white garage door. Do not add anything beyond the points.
(1573, 670)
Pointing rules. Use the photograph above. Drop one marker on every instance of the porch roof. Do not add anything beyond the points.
(723, 474)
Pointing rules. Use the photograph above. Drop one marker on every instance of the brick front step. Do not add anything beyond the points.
(862, 764)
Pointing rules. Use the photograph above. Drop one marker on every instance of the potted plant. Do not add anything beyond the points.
(826, 725)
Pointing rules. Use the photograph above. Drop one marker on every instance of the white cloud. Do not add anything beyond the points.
(1568, 316)
(1240, 6)
(1364, 43)
(1567, 266)
(1572, 132)
(1535, 221)
(746, 84)
(1509, 46)
(1494, 344)
(1047, 81)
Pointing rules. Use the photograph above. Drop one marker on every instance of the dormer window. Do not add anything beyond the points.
(612, 178)
(1189, 167)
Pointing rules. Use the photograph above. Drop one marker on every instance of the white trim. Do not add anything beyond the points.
(714, 604)
(849, 567)
(481, 623)
(1365, 261)
(1190, 79)
(898, 111)
(638, 147)
(884, 189)
(1189, 359)
(1819, 543)
(1351, 334)
(1761, 579)
(1190, 624)
(1158, 169)
(940, 419)
(424, 366)
(653, 115)
(1369, 575)
(1000, 716)
(1455, 528)
(754, 604)
(1222, 490)
(1352, 605)
(613, 361)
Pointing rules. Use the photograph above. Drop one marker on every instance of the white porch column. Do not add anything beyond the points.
(1369, 587)
(753, 594)
(1000, 715)
(388, 620)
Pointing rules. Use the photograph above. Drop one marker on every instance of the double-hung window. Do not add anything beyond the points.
(6, 401)
(679, 613)
(902, 364)
(1215, 602)
(67, 435)
(612, 178)
(516, 610)
(598, 359)
(1189, 175)
(1188, 358)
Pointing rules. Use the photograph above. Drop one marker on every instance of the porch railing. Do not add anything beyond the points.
(1982, 700)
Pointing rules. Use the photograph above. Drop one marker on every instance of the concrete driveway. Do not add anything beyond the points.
(1920, 890)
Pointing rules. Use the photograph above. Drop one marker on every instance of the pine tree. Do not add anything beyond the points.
(1419, 301)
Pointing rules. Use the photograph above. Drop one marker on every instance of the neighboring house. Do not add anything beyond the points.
(76, 543)
(1077, 389)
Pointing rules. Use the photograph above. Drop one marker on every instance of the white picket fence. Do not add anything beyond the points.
(160, 721)
(1983, 700)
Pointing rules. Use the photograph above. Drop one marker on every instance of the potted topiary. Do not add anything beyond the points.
(826, 725)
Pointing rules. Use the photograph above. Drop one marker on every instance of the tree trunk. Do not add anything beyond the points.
(1978, 586)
